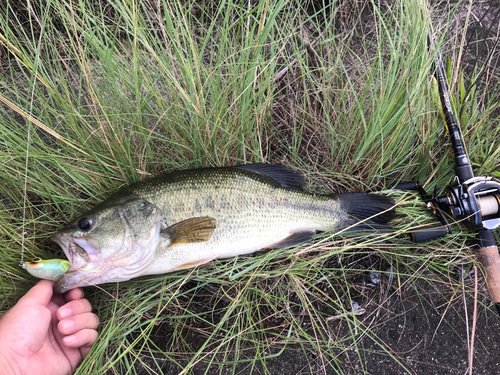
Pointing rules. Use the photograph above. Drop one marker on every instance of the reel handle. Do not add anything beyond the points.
(490, 263)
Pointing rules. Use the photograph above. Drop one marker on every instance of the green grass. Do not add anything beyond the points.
(97, 95)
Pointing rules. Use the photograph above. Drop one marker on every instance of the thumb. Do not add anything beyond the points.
(40, 294)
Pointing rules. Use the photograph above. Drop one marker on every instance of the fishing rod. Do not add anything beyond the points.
(474, 200)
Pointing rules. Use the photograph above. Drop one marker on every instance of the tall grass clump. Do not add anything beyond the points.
(99, 94)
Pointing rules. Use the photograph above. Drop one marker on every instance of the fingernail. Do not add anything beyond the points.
(64, 312)
(67, 324)
(69, 339)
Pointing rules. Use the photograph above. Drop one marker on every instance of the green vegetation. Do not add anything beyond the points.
(98, 94)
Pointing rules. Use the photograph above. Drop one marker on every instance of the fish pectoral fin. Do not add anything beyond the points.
(197, 229)
(294, 239)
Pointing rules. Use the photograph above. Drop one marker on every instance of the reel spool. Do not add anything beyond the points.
(489, 205)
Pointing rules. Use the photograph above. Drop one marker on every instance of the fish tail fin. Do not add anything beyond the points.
(368, 212)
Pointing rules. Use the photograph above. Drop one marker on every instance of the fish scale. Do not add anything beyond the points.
(252, 207)
(251, 213)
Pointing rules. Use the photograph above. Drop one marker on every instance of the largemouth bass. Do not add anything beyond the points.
(187, 218)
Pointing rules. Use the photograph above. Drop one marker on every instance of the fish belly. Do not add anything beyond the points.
(226, 242)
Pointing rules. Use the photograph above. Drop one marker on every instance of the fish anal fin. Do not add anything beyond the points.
(294, 239)
(196, 263)
(197, 229)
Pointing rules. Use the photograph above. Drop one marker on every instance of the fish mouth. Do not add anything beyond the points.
(82, 254)
(89, 266)
(79, 251)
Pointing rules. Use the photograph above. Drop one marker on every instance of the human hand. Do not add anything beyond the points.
(46, 333)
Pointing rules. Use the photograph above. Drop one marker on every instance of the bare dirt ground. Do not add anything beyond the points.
(424, 332)
(430, 335)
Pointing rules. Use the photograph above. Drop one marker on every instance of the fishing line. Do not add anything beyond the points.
(25, 185)
(28, 139)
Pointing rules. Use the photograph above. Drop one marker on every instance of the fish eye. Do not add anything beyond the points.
(36, 260)
(85, 223)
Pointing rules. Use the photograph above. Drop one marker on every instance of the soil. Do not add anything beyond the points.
(427, 329)
(430, 335)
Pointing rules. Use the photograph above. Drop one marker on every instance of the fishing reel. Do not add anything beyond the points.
(476, 203)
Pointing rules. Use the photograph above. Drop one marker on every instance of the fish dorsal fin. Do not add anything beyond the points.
(294, 239)
(197, 229)
(284, 176)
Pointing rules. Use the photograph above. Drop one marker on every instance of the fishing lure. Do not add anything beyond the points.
(51, 269)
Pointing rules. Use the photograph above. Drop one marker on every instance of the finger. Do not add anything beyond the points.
(73, 294)
(75, 307)
(84, 350)
(85, 337)
(40, 294)
(77, 323)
